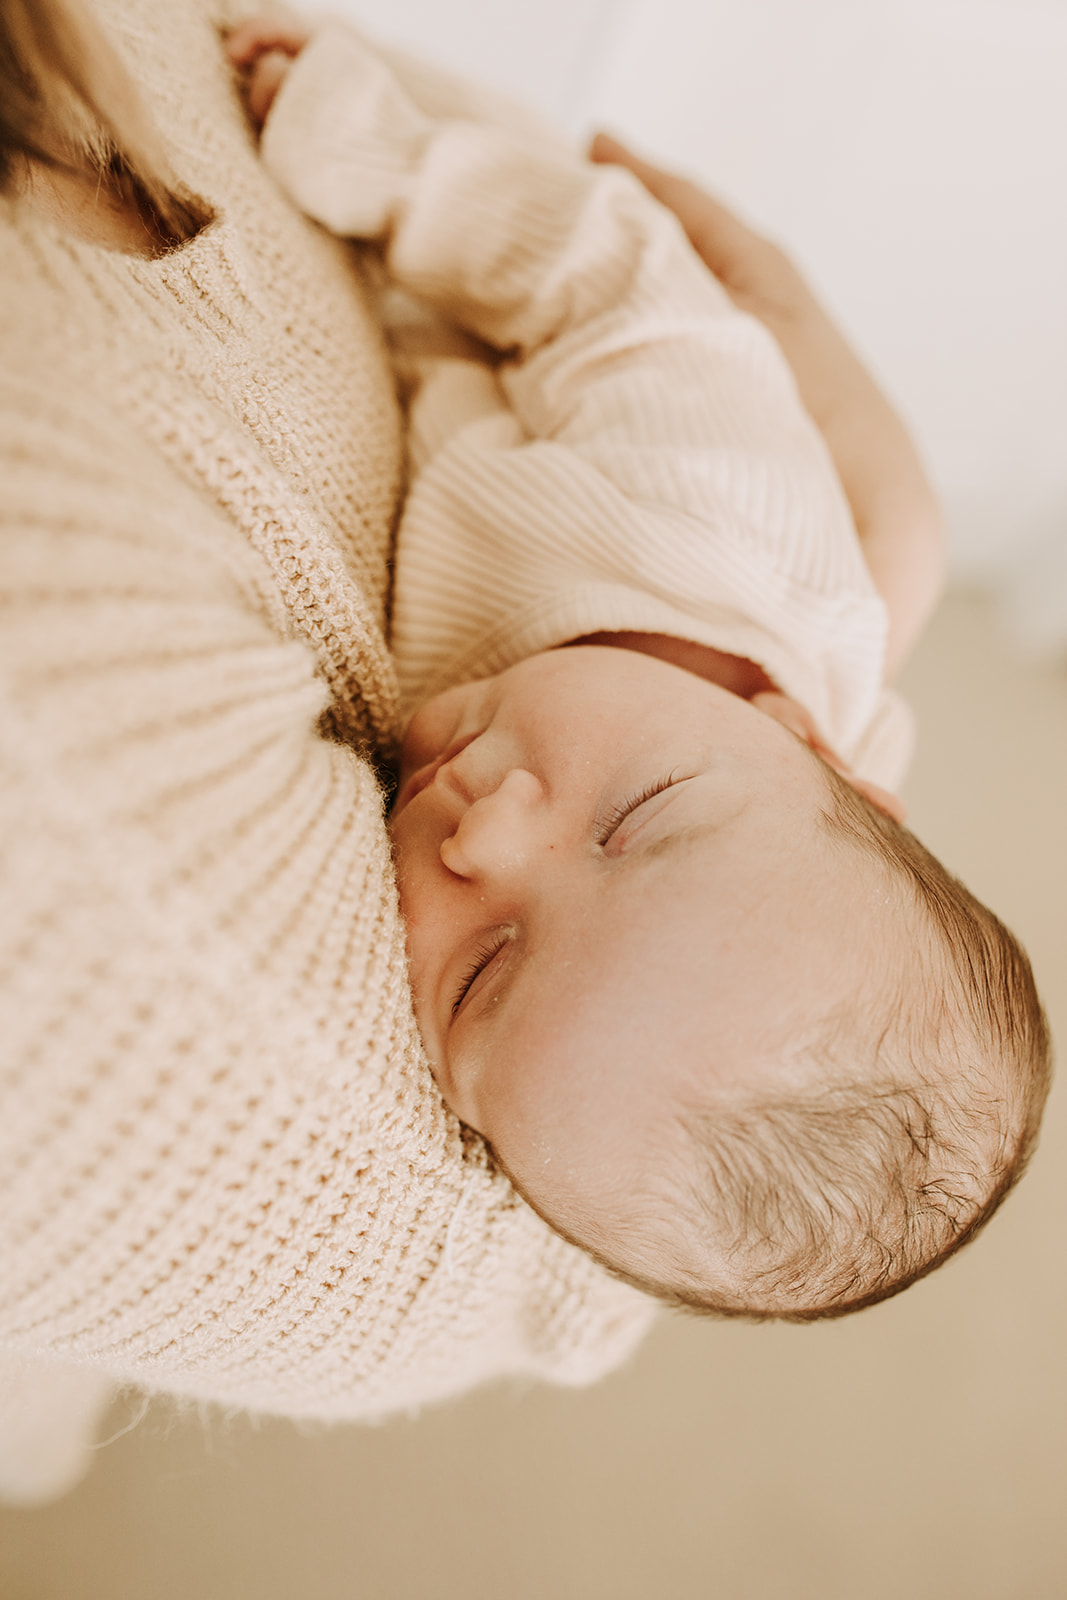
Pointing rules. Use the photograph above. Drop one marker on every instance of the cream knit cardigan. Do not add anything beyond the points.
(225, 1170)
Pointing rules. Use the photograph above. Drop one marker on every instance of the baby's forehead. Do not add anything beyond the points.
(696, 958)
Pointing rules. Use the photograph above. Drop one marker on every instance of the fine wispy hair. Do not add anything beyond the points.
(825, 1201)
(68, 103)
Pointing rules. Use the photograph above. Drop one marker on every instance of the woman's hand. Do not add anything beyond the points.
(263, 48)
(895, 509)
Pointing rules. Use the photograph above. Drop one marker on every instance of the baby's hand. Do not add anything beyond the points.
(263, 47)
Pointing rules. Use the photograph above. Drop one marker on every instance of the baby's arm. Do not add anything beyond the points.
(514, 236)
(657, 465)
(896, 512)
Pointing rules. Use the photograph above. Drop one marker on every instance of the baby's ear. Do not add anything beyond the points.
(792, 715)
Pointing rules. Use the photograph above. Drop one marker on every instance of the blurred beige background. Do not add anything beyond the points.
(917, 1451)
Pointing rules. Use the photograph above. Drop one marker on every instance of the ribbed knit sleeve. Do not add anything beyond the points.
(652, 467)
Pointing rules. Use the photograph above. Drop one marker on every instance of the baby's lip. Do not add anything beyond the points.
(420, 780)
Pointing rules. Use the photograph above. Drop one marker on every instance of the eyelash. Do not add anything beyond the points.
(619, 813)
(485, 953)
(482, 958)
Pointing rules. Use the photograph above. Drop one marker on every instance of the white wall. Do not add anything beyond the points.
(913, 155)
(546, 51)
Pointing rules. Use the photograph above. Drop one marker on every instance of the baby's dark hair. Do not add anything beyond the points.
(826, 1201)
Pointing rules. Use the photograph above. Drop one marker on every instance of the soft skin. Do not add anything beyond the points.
(581, 970)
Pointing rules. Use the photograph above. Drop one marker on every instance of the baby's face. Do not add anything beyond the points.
(619, 899)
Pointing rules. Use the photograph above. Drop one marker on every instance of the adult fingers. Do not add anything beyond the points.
(267, 77)
(728, 246)
(677, 194)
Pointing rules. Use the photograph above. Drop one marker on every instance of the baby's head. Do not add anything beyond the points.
(724, 1024)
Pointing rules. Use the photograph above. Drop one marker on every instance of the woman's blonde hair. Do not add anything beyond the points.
(67, 101)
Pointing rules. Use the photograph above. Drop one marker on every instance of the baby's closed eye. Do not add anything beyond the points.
(483, 957)
(607, 825)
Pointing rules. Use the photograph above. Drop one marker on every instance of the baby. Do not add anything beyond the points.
(723, 1021)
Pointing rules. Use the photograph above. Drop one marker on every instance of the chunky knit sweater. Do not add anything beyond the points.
(639, 461)
(225, 1170)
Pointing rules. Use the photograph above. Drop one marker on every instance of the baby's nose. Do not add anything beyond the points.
(496, 836)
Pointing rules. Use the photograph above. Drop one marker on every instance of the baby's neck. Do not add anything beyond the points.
(734, 673)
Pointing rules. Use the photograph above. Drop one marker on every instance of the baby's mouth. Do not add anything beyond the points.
(420, 780)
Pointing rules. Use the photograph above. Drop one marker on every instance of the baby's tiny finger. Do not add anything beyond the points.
(267, 77)
(257, 35)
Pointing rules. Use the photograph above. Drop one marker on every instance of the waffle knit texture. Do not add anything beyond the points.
(639, 460)
(225, 1170)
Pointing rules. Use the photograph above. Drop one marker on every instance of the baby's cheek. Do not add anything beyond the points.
(430, 730)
